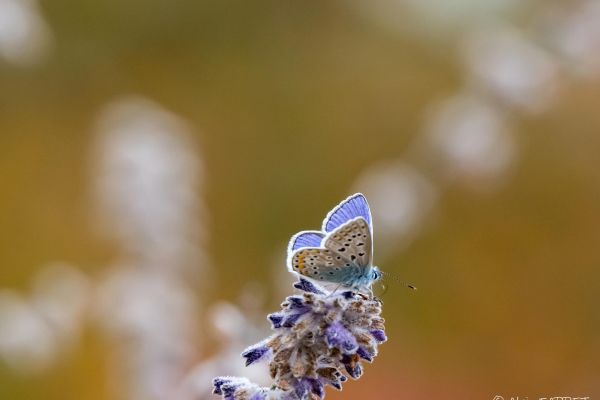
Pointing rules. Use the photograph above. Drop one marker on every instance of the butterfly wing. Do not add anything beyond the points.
(352, 241)
(353, 207)
(346, 254)
(305, 239)
(323, 265)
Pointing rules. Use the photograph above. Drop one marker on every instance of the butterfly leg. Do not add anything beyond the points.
(335, 290)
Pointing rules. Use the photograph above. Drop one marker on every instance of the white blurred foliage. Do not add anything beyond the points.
(147, 177)
(62, 294)
(24, 35)
(434, 18)
(400, 198)
(234, 328)
(35, 330)
(572, 29)
(147, 180)
(26, 341)
(153, 318)
(136, 304)
(471, 138)
(509, 66)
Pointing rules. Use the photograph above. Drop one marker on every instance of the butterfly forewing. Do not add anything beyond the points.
(352, 242)
(353, 207)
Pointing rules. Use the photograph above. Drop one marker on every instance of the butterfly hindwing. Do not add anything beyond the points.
(323, 265)
(306, 239)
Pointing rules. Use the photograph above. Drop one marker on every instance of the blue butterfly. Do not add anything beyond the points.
(342, 251)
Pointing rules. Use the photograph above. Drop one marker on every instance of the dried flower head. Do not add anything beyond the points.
(320, 339)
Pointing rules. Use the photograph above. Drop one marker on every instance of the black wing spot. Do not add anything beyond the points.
(338, 258)
(321, 277)
(353, 257)
(331, 272)
(361, 254)
(315, 272)
(361, 244)
(337, 268)
(342, 249)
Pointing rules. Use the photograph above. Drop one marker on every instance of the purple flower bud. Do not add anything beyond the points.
(306, 286)
(354, 370)
(379, 335)
(348, 295)
(275, 320)
(259, 396)
(291, 320)
(255, 353)
(296, 302)
(337, 385)
(317, 388)
(218, 384)
(338, 336)
(363, 353)
(225, 386)
(302, 387)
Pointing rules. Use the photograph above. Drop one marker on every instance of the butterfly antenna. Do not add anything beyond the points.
(397, 280)
(384, 287)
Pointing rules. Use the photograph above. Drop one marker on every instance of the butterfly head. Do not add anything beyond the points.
(376, 274)
(363, 282)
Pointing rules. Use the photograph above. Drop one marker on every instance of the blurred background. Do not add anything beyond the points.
(156, 156)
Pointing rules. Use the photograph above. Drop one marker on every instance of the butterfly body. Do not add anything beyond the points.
(342, 252)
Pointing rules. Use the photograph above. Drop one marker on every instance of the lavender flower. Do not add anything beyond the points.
(320, 339)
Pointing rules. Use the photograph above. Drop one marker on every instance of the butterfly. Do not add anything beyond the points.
(342, 251)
